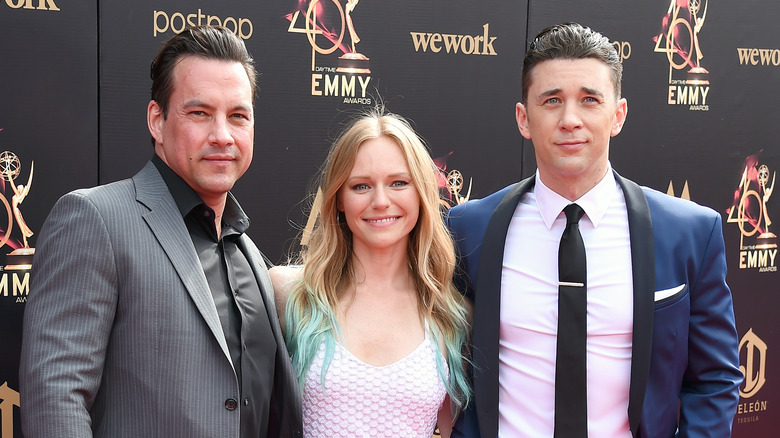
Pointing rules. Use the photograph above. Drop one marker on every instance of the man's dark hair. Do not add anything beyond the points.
(210, 42)
(571, 41)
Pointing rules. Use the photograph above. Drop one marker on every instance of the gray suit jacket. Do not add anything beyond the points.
(121, 335)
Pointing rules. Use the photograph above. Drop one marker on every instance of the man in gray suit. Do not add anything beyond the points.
(150, 311)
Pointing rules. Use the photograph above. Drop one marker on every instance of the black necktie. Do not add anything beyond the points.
(571, 414)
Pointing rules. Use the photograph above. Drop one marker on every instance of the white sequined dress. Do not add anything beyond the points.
(400, 400)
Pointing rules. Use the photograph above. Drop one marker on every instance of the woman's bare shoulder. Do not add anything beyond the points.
(285, 278)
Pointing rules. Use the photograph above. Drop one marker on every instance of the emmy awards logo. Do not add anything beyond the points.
(10, 168)
(681, 36)
(332, 25)
(749, 210)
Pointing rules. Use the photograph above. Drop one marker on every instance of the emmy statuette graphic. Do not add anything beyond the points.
(455, 185)
(767, 239)
(10, 168)
(697, 75)
(352, 62)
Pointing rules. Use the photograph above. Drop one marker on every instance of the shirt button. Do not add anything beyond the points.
(246, 402)
(244, 347)
(231, 404)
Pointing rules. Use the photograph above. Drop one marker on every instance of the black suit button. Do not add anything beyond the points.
(231, 404)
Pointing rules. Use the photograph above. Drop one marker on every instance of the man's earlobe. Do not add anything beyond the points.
(620, 117)
(154, 119)
(522, 120)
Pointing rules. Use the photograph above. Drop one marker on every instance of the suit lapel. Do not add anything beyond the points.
(256, 261)
(640, 227)
(487, 308)
(286, 397)
(166, 223)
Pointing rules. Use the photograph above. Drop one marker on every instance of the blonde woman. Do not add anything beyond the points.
(372, 321)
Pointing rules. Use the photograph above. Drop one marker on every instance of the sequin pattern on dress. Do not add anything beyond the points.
(360, 400)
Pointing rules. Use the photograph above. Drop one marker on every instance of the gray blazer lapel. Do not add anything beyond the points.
(487, 308)
(165, 221)
(257, 262)
(286, 413)
(640, 227)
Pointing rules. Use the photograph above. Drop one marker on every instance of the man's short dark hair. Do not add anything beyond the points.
(571, 41)
(210, 42)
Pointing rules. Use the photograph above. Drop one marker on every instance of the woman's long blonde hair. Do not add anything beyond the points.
(328, 264)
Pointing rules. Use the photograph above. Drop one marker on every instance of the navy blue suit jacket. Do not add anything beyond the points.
(685, 364)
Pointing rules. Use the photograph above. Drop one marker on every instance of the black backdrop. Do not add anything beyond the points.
(74, 87)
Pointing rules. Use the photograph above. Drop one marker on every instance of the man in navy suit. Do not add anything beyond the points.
(661, 343)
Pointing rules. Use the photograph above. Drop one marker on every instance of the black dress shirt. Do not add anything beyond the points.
(237, 297)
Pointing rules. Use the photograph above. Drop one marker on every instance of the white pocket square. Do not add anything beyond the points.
(666, 293)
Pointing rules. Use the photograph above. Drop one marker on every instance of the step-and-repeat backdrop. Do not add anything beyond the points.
(701, 82)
